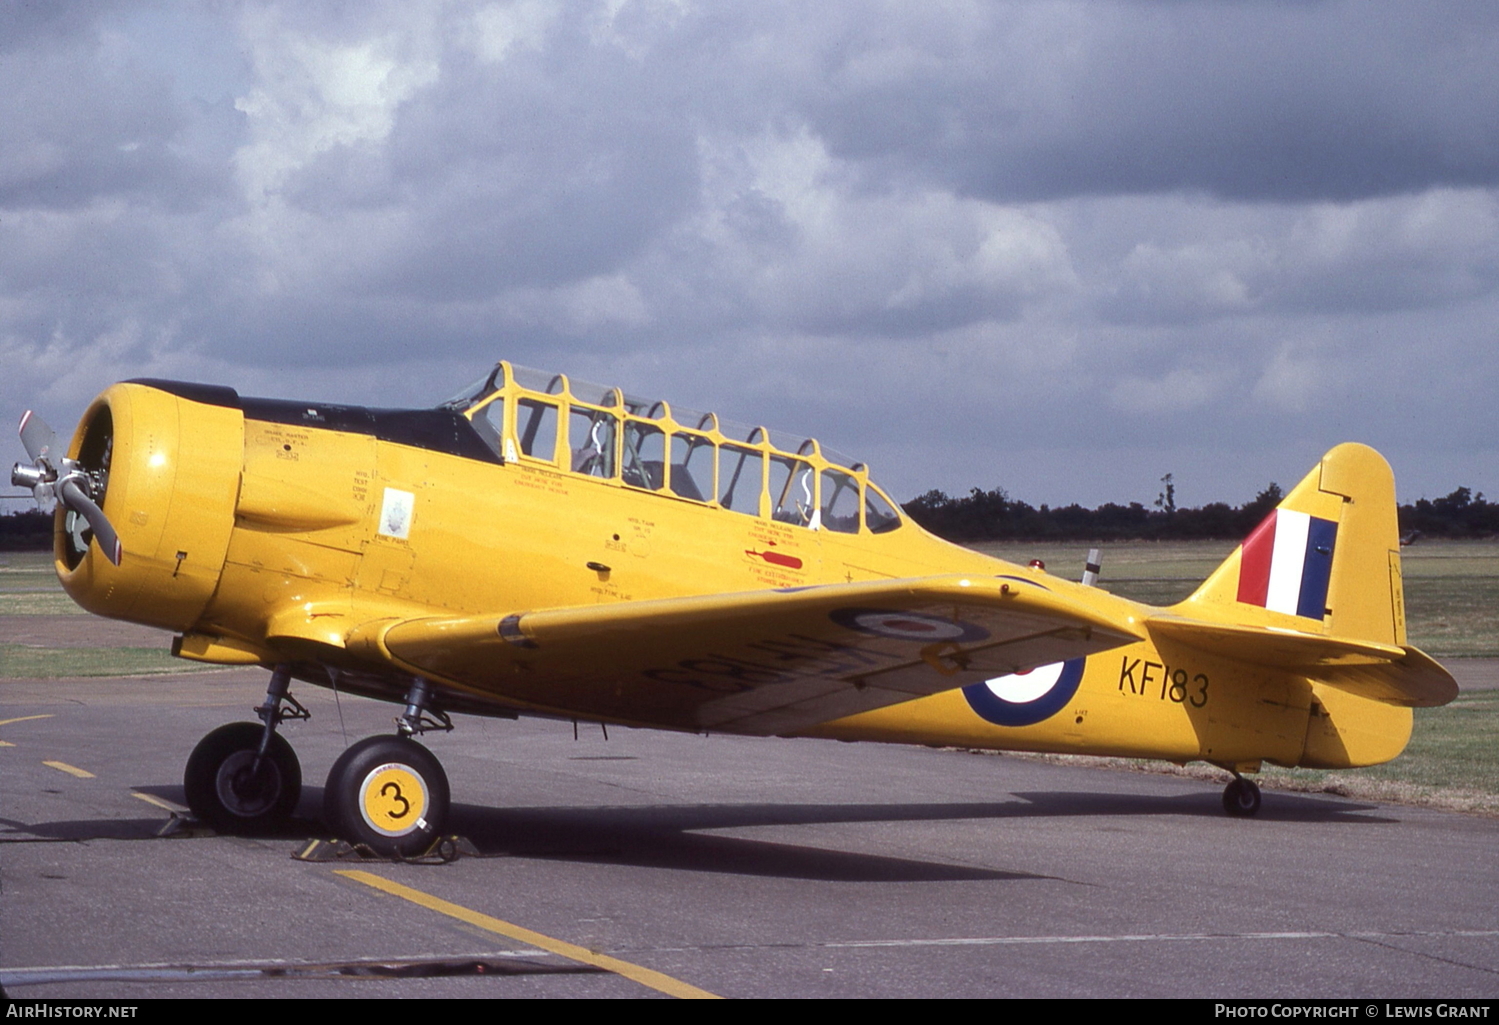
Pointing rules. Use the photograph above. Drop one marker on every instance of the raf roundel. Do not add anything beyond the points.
(1024, 699)
(908, 626)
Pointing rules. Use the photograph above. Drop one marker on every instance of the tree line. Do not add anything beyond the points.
(27, 531)
(995, 516)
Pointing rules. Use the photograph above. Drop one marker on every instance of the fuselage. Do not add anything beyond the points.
(270, 532)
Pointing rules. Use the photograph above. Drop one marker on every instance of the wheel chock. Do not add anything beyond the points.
(443, 849)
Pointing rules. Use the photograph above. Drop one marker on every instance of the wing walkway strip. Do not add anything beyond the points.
(645, 976)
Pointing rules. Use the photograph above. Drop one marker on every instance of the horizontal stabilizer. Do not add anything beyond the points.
(1416, 681)
(1280, 647)
(1393, 674)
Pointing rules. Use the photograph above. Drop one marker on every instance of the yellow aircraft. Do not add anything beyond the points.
(543, 546)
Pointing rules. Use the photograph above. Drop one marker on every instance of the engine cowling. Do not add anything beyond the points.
(171, 470)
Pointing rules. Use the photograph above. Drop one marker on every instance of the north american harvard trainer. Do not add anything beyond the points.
(544, 546)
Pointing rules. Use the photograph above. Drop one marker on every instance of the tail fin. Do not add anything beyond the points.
(1325, 561)
(1316, 588)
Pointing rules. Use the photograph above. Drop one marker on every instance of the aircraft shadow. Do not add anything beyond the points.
(675, 836)
(644, 837)
(672, 836)
(669, 838)
(12, 831)
(627, 833)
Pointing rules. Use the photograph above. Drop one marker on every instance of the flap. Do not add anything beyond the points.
(763, 662)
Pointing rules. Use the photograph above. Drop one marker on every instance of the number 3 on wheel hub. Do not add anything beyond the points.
(388, 793)
(392, 799)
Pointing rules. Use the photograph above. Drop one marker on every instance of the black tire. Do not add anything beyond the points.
(1241, 798)
(388, 793)
(222, 791)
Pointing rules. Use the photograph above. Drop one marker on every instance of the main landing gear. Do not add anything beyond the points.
(1241, 798)
(244, 778)
(389, 794)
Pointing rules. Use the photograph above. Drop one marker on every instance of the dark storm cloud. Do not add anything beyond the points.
(1103, 234)
(1193, 261)
(1236, 99)
(542, 184)
(76, 130)
(31, 23)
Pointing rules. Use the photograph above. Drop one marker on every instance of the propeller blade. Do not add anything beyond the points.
(74, 498)
(39, 439)
(78, 530)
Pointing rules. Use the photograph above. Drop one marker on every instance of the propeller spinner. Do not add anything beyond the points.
(51, 476)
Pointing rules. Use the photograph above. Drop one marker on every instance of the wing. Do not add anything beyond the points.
(765, 662)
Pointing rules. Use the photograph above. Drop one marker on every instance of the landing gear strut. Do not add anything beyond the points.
(390, 793)
(244, 778)
(1241, 798)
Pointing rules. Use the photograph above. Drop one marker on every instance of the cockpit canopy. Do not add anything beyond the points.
(541, 418)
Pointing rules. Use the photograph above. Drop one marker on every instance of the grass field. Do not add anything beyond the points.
(1452, 761)
(1452, 608)
(28, 587)
(25, 661)
(1451, 587)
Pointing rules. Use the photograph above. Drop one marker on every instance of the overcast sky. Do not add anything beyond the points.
(1057, 247)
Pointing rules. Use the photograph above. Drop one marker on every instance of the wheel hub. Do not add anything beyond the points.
(392, 799)
(243, 790)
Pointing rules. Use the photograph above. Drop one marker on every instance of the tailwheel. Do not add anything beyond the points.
(235, 788)
(1241, 798)
(388, 793)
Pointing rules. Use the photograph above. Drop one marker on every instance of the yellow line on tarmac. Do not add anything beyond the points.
(151, 799)
(71, 770)
(645, 976)
(25, 718)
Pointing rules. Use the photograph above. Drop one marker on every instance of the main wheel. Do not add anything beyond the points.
(226, 789)
(388, 793)
(1241, 798)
